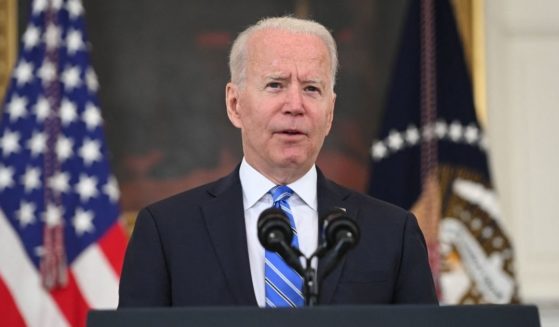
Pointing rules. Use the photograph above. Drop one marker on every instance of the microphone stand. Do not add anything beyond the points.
(311, 280)
(310, 284)
(310, 276)
(273, 234)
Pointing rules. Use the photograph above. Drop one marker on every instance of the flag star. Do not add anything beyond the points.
(476, 224)
(31, 180)
(91, 116)
(60, 182)
(441, 129)
(487, 232)
(68, 112)
(6, 177)
(56, 4)
(395, 141)
(39, 6)
(74, 41)
(52, 36)
(37, 143)
(111, 189)
(75, 8)
(53, 216)
(82, 221)
(16, 107)
(378, 150)
(64, 148)
(498, 242)
(455, 131)
(471, 135)
(31, 37)
(90, 151)
(40, 251)
(9, 143)
(47, 72)
(42, 109)
(23, 73)
(87, 187)
(71, 77)
(26, 213)
(91, 80)
(412, 135)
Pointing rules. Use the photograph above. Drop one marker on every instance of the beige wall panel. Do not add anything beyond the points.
(523, 111)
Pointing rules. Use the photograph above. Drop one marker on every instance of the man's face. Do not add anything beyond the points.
(285, 106)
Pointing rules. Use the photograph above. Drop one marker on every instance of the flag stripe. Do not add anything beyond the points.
(23, 281)
(9, 313)
(55, 176)
(95, 276)
(71, 301)
(113, 245)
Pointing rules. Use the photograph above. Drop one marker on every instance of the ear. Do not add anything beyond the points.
(330, 117)
(232, 102)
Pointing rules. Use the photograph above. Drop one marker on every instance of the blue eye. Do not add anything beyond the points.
(274, 85)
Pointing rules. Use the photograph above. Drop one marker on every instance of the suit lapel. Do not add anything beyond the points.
(331, 196)
(224, 217)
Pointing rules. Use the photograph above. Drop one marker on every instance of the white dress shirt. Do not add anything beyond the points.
(304, 206)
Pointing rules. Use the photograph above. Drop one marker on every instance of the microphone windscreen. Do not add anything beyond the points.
(337, 225)
(273, 227)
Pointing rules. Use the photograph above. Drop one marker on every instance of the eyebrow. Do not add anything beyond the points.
(279, 77)
(313, 81)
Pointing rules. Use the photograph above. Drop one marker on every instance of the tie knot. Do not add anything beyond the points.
(281, 193)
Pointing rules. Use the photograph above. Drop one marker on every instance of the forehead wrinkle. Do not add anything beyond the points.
(277, 76)
(287, 61)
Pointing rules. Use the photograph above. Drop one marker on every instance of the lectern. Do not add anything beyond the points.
(323, 316)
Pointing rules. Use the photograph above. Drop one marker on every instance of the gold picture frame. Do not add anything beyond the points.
(8, 41)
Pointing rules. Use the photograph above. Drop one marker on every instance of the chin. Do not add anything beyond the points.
(295, 161)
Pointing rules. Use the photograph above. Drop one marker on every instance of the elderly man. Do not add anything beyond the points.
(201, 248)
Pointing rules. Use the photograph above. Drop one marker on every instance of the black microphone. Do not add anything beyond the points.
(340, 230)
(341, 234)
(275, 234)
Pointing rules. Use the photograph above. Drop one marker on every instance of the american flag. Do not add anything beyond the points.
(61, 246)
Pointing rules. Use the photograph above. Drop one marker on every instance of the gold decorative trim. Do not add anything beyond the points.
(8, 41)
(471, 24)
(478, 60)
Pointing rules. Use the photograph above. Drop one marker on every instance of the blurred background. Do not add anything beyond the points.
(162, 69)
(177, 133)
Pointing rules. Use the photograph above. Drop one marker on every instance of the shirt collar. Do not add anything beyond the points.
(255, 185)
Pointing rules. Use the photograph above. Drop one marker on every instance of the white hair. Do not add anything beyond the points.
(238, 55)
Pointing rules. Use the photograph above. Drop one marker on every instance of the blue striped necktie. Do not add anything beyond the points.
(283, 284)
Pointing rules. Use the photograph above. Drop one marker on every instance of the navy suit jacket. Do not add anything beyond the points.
(191, 250)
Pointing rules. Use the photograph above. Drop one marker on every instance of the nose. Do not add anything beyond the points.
(294, 101)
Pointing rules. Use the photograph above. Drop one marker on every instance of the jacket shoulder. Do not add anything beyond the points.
(368, 203)
(193, 198)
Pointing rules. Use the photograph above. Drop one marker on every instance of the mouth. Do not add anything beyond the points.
(291, 132)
